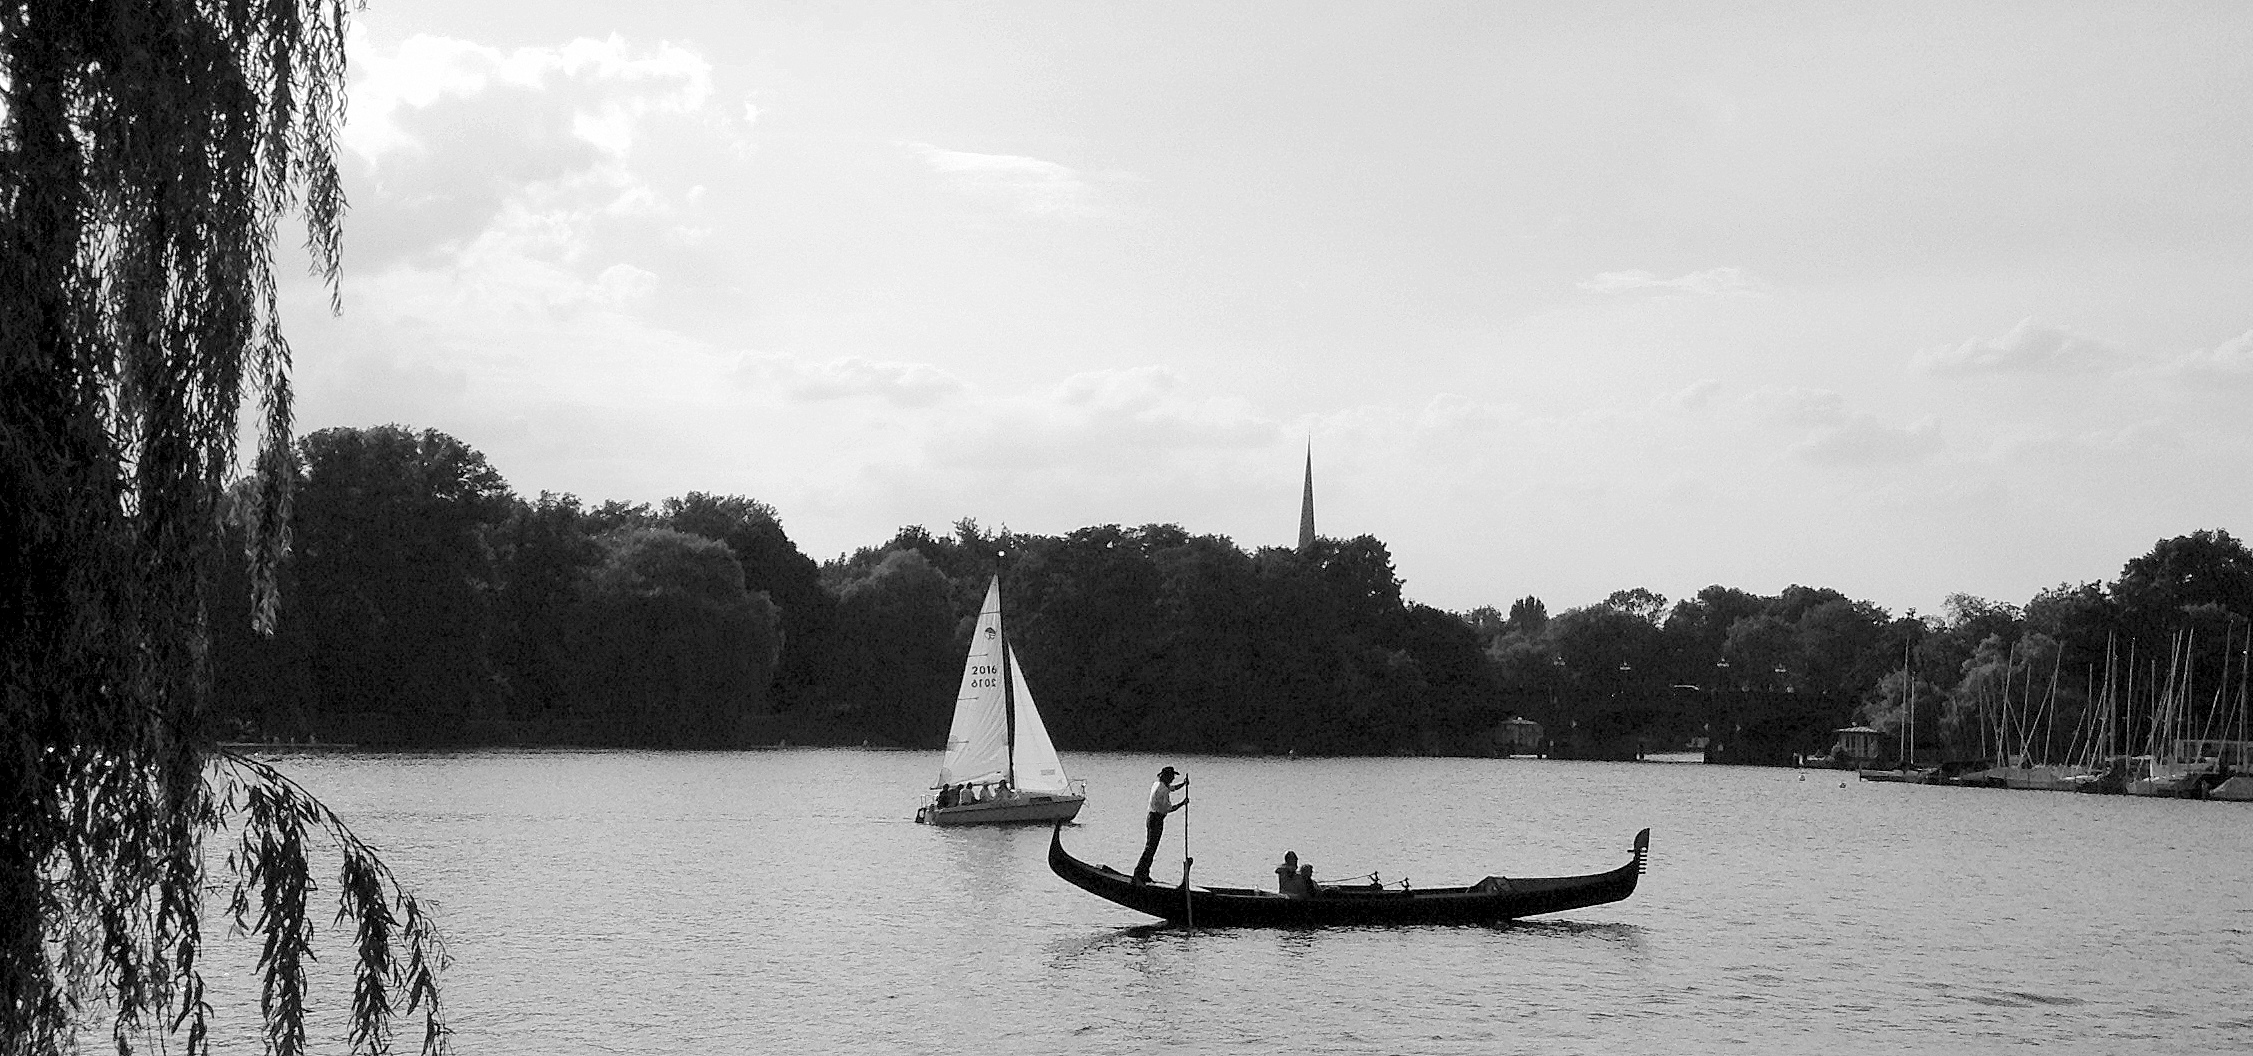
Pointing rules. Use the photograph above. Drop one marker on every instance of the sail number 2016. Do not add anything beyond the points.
(983, 676)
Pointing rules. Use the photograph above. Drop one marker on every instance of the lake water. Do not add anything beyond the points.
(786, 902)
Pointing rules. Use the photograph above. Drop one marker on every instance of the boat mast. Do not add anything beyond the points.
(1008, 690)
(1009, 714)
(1909, 710)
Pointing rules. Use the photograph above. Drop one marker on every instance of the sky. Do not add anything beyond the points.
(1902, 299)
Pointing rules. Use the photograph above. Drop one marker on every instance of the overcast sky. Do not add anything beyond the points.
(1900, 299)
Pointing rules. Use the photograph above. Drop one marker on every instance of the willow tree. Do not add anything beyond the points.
(149, 152)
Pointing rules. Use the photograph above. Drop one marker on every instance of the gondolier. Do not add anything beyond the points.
(1161, 804)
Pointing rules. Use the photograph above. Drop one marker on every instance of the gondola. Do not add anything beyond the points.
(1491, 900)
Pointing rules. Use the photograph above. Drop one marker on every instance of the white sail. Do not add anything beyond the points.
(978, 740)
(1038, 769)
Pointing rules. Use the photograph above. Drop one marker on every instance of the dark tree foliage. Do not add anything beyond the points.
(772, 566)
(611, 627)
(1083, 610)
(547, 553)
(671, 651)
(1697, 633)
(149, 150)
(393, 567)
(1529, 616)
(2202, 568)
(897, 658)
(1151, 637)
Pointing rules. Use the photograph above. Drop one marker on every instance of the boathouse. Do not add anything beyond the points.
(1857, 746)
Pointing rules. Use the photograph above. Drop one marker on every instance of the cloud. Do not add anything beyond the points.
(605, 84)
(2029, 348)
(453, 146)
(1031, 185)
(1712, 282)
(1798, 406)
(2230, 362)
(1863, 441)
(1155, 404)
(2130, 443)
(1698, 395)
(1097, 429)
(1831, 433)
(904, 385)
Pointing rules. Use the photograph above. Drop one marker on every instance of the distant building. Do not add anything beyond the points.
(1518, 736)
(1857, 746)
(1306, 504)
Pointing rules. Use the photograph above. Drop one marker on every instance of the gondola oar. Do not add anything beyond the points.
(1188, 905)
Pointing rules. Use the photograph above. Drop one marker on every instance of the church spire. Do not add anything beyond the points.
(1306, 504)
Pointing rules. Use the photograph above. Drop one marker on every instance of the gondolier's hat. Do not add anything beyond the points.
(1165, 771)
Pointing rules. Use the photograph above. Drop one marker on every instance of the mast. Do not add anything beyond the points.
(1008, 690)
(2244, 669)
(1909, 671)
(1009, 711)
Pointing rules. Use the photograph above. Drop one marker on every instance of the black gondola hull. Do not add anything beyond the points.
(1489, 901)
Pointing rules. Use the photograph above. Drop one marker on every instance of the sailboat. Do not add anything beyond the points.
(1000, 766)
(1908, 772)
(2168, 770)
(2235, 783)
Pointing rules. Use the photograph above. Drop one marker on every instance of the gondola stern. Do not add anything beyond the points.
(1102, 883)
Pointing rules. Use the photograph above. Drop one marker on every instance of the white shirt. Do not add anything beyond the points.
(1161, 797)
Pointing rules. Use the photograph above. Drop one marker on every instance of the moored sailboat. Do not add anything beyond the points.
(2235, 785)
(1907, 773)
(1000, 765)
(2168, 771)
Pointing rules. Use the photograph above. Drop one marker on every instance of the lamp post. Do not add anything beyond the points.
(1557, 663)
(1713, 711)
(1626, 671)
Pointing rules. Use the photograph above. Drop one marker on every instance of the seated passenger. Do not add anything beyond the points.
(1307, 886)
(1287, 874)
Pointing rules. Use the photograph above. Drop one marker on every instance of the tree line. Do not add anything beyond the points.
(424, 603)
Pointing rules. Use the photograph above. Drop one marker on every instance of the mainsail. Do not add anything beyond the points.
(978, 741)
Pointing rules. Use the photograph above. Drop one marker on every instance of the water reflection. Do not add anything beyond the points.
(1068, 952)
(987, 861)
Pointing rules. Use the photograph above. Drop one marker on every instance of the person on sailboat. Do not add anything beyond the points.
(1287, 874)
(1161, 804)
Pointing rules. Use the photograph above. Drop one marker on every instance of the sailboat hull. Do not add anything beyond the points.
(2172, 786)
(1905, 776)
(1020, 808)
(2047, 778)
(2238, 788)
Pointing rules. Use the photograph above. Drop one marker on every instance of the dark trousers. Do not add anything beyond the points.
(1157, 827)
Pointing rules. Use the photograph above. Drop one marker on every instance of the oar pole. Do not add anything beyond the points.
(1188, 904)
